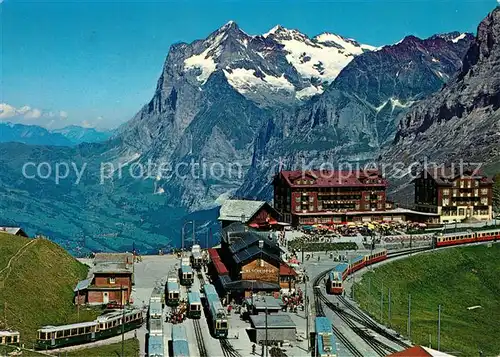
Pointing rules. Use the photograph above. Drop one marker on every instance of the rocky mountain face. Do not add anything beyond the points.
(227, 112)
(462, 121)
(358, 113)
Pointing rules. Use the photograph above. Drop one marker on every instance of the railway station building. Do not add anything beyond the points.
(108, 283)
(249, 261)
(279, 328)
(254, 214)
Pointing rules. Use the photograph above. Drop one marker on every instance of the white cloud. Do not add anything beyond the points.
(86, 124)
(33, 114)
(28, 113)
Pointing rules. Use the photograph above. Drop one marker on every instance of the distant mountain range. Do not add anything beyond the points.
(36, 135)
(260, 103)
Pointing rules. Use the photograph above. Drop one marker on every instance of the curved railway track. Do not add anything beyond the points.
(358, 317)
(318, 304)
(228, 349)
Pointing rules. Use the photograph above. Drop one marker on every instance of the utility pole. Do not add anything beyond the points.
(194, 235)
(381, 302)
(409, 317)
(267, 350)
(389, 307)
(439, 327)
(306, 300)
(78, 305)
(123, 330)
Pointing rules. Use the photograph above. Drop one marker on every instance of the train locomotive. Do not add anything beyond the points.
(180, 345)
(194, 305)
(104, 326)
(444, 240)
(217, 318)
(325, 340)
(341, 271)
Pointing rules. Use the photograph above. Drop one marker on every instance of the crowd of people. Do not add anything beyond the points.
(177, 314)
(293, 301)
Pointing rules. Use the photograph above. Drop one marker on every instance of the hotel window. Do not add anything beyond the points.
(461, 211)
(469, 184)
(297, 198)
(461, 184)
(476, 192)
(311, 208)
(484, 191)
(112, 280)
(311, 199)
(476, 183)
(367, 206)
(446, 192)
(297, 208)
(446, 201)
(484, 200)
(455, 192)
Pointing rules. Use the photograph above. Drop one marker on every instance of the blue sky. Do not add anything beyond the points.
(96, 63)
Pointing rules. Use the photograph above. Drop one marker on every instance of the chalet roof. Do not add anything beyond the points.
(251, 253)
(446, 175)
(238, 210)
(13, 230)
(125, 258)
(246, 285)
(328, 178)
(274, 321)
(287, 270)
(420, 351)
(109, 268)
(242, 240)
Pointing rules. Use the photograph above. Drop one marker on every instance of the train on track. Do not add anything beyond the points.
(194, 305)
(172, 290)
(196, 257)
(217, 318)
(338, 274)
(105, 326)
(444, 240)
(325, 343)
(186, 275)
(9, 337)
(155, 346)
(180, 345)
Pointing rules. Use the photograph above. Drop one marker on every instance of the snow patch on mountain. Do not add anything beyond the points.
(246, 80)
(458, 38)
(205, 60)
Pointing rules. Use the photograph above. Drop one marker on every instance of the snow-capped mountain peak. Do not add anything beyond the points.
(282, 65)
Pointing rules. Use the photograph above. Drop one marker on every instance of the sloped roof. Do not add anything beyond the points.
(13, 230)
(245, 285)
(328, 178)
(83, 284)
(234, 210)
(242, 240)
(250, 253)
(287, 270)
(446, 175)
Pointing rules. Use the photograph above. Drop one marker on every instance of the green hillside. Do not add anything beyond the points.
(457, 279)
(37, 288)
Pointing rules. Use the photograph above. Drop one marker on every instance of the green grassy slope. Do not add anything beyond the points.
(456, 278)
(38, 289)
(131, 349)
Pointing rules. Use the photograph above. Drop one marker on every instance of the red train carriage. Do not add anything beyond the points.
(455, 238)
(493, 234)
(356, 263)
(336, 278)
(376, 256)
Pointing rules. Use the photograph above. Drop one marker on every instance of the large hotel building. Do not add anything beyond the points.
(454, 195)
(331, 197)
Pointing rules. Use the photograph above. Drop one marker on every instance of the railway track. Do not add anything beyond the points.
(199, 339)
(318, 304)
(358, 317)
(228, 349)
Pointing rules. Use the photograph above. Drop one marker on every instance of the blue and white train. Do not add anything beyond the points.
(325, 339)
(217, 317)
(180, 346)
